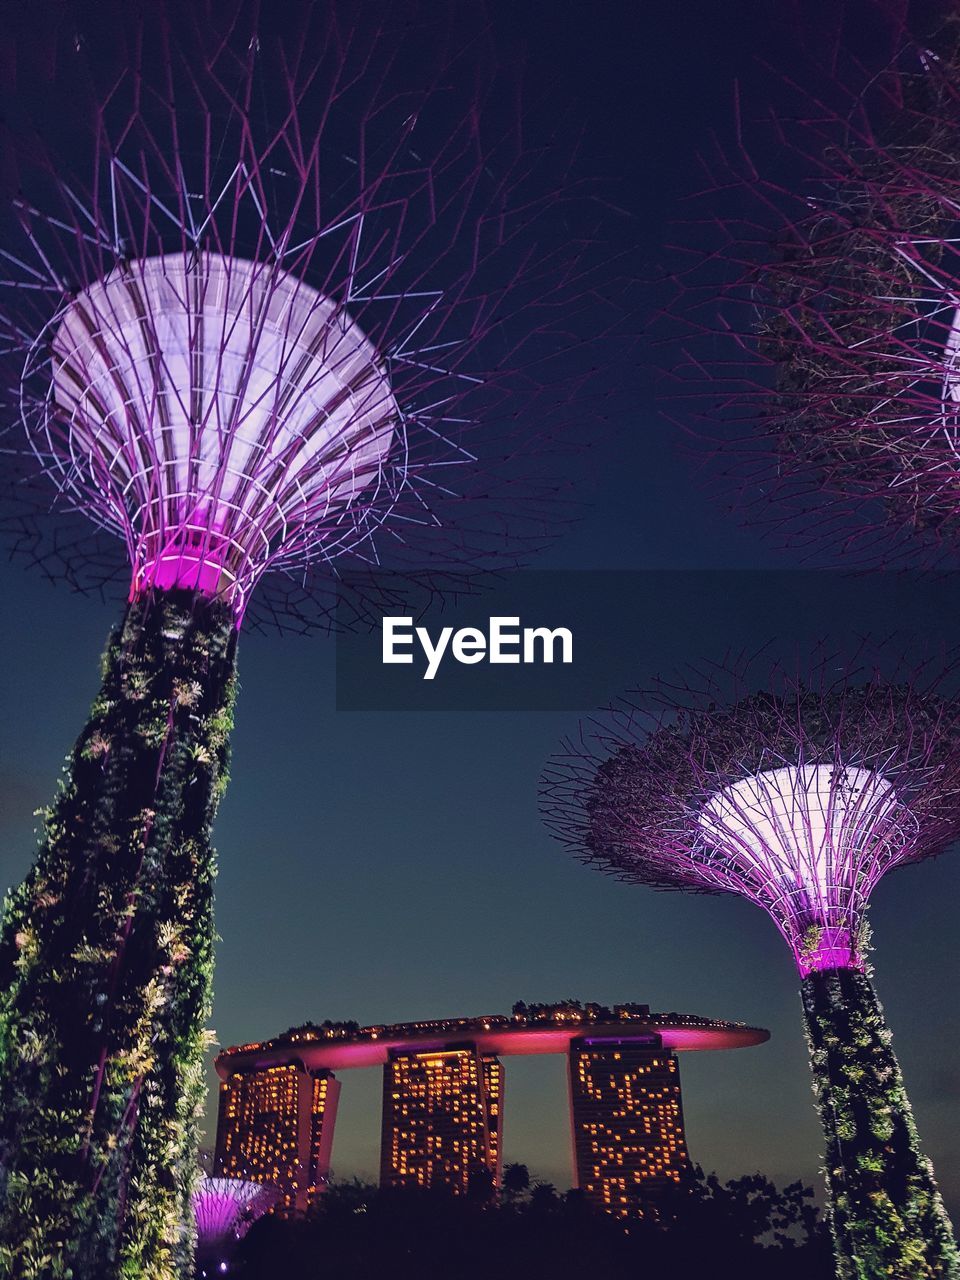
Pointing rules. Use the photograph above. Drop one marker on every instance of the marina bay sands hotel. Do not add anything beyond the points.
(443, 1096)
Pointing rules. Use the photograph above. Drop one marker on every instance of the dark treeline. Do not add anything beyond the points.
(747, 1228)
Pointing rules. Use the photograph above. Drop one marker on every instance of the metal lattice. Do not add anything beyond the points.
(291, 311)
(799, 798)
(821, 329)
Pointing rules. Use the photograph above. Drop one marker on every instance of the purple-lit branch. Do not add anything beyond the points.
(825, 317)
(799, 798)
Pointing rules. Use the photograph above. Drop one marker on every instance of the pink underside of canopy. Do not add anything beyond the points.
(191, 560)
(177, 571)
(367, 1050)
(835, 949)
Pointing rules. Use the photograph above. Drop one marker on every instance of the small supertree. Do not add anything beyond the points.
(799, 798)
(225, 1209)
(829, 301)
(281, 306)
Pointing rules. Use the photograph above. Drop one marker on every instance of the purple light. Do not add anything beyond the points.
(225, 1209)
(833, 344)
(262, 352)
(811, 841)
(219, 415)
(799, 800)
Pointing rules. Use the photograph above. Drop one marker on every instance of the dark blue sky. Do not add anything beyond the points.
(381, 866)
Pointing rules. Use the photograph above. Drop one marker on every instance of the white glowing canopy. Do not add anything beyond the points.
(808, 825)
(225, 413)
(808, 842)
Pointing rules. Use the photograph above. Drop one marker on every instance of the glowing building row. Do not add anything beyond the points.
(276, 1126)
(443, 1094)
(626, 1112)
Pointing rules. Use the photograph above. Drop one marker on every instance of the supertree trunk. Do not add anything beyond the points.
(886, 1213)
(106, 956)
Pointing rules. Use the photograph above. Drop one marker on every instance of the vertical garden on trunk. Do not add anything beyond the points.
(886, 1211)
(106, 958)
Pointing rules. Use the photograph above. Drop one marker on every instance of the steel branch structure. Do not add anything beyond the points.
(295, 311)
(799, 797)
(823, 323)
(225, 1209)
(281, 304)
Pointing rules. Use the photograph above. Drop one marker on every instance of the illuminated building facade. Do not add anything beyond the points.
(276, 1126)
(443, 1095)
(493, 1094)
(627, 1122)
(441, 1118)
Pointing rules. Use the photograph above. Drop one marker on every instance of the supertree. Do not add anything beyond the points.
(281, 306)
(799, 797)
(827, 292)
(225, 1209)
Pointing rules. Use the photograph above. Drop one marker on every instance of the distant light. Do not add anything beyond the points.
(225, 1209)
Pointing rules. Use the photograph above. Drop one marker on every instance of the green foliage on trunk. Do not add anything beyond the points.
(887, 1216)
(106, 959)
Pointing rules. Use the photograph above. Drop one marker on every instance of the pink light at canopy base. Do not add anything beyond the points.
(836, 949)
(192, 558)
(179, 571)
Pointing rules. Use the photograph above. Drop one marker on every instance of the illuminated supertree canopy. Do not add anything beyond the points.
(225, 1209)
(800, 802)
(798, 797)
(286, 311)
(823, 319)
(294, 312)
(220, 415)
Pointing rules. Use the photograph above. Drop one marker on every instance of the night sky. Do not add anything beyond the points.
(392, 866)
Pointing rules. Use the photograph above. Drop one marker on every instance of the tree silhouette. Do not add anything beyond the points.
(515, 1180)
(755, 1230)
